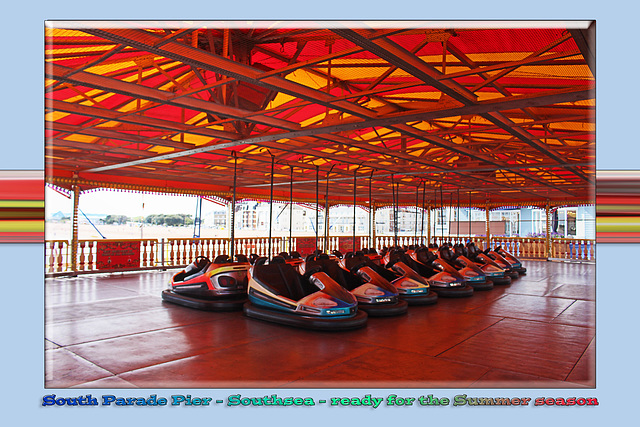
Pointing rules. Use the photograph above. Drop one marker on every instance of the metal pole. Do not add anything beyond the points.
(424, 189)
(196, 233)
(436, 214)
(488, 228)
(547, 240)
(441, 217)
(449, 216)
(371, 226)
(271, 205)
(317, 211)
(227, 219)
(200, 217)
(142, 222)
(74, 229)
(232, 248)
(458, 215)
(326, 214)
(290, 209)
(428, 225)
(92, 224)
(415, 230)
(354, 209)
(397, 221)
(469, 212)
(393, 198)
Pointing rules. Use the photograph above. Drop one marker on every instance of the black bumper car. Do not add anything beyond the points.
(220, 285)
(278, 293)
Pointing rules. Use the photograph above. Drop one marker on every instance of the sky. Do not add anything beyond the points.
(111, 202)
(124, 203)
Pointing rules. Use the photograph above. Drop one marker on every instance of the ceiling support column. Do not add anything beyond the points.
(547, 240)
(74, 228)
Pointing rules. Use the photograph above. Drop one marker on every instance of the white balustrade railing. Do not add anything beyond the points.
(167, 253)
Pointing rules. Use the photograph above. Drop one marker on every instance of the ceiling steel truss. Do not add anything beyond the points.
(500, 114)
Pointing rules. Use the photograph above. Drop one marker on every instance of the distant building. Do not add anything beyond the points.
(253, 217)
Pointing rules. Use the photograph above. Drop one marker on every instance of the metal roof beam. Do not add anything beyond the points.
(460, 171)
(492, 80)
(145, 41)
(586, 41)
(510, 66)
(163, 97)
(150, 122)
(402, 58)
(557, 96)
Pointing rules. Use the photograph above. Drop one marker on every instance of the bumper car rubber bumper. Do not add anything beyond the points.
(453, 292)
(428, 299)
(230, 303)
(513, 274)
(505, 280)
(384, 310)
(306, 322)
(487, 285)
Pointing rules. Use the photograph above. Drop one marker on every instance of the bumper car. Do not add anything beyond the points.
(474, 276)
(373, 255)
(220, 285)
(278, 293)
(516, 264)
(411, 286)
(443, 279)
(502, 263)
(491, 269)
(293, 259)
(374, 293)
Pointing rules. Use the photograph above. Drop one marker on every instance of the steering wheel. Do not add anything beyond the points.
(197, 259)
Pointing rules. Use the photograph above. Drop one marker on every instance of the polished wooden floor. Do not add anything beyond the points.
(114, 331)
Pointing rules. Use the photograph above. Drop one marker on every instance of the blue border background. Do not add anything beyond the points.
(22, 148)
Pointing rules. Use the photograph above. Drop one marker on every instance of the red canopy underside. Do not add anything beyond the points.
(498, 115)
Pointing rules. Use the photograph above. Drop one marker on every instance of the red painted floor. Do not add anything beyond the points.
(114, 331)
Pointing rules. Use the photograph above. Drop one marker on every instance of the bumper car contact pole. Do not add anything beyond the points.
(435, 203)
(290, 208)
(271, 203)
(396, 223)
(415, 230)
(469, 216)
(372, 244)
(354, 211)
(220, 285)
(458, 214)
(232, 246)
(393, 207)
(449, 215)
(326, 214)
(317, 211)
(424, 189)
(441, 217)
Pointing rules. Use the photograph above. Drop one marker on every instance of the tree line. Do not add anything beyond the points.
(155, 219)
